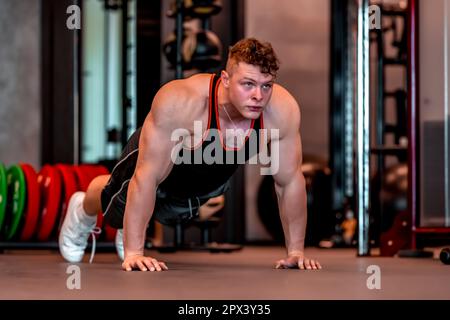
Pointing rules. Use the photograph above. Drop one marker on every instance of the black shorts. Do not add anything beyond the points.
(168, 208)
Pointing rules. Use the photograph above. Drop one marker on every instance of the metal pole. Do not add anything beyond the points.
(362, 111)
(106, 77)
(349, 168)
(413, 151)
(179, 36)
(125, 52)
(76, 95)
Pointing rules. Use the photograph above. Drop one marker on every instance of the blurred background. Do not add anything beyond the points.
(77, 78)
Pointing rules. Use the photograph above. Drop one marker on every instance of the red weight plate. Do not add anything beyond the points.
(110, 233)
(82, 179)
(50, 184)
(98, 170)
(88, 170)
(93, 171)
(31, 213)
(70, 186)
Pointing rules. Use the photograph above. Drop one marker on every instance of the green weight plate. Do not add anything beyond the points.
(16, 200)
(3, 194)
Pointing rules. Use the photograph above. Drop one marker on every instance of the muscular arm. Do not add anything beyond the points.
(153, 165)
(290, 187)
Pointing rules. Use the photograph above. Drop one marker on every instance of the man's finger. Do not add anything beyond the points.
(141, 265)
(280, 264)
(308, 264)
(163, 265)
(126, 266)
(155, 265)
(313, 265)
(148, 264)
(301, 265)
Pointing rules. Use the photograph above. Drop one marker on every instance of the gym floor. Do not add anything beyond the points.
(245, 274)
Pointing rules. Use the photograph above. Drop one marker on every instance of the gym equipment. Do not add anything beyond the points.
(201, 50)
(426, 134)
(207, 219)
(318, 188)
(170, 50)
(16, 200)
(444, 256)
(390, 221)
(406, 253)
(81, 177)
(70, 186)
(50, 184)
(3, 194)
(203, 8)
(32, 204)
(205, 227)
(45, 197)
(196, 8)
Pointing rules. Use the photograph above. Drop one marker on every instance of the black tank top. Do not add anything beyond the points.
(191, 178)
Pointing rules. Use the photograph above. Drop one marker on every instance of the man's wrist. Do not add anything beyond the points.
(133, 254)
(292, 253)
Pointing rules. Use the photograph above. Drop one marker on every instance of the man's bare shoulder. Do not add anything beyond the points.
(182, 99)
(283, 110)
(181, 91)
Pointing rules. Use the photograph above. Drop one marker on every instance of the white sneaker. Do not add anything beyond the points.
(75, 231)
(119, 244)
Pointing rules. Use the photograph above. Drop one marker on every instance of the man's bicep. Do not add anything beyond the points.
(289, 149)
(155, 147)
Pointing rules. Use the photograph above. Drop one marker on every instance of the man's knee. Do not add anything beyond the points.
(92, 201)
(98, 183)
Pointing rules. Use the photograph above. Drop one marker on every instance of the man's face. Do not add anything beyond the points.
(249, 90)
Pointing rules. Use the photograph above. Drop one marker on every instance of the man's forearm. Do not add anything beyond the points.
(138, 211)
(293, 212)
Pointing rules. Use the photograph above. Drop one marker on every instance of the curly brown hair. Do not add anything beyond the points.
(255, 52)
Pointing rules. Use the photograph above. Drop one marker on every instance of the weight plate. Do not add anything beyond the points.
(82, 178)
(50, 185)
(3, 194)
(16, 200)
(31, 212)
(70, 186)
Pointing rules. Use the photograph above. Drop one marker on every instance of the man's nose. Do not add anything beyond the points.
(257, 95)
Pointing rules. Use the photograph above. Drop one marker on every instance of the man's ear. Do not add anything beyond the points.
(225, 78)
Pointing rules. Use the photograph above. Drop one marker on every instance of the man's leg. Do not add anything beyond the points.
(211, 207)
(80, 220)
(92, 202)
(92, 205)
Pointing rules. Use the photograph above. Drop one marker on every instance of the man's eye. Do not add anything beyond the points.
(267, 86)
(248, 84)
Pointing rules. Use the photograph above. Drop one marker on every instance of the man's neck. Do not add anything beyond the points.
(228, 112)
